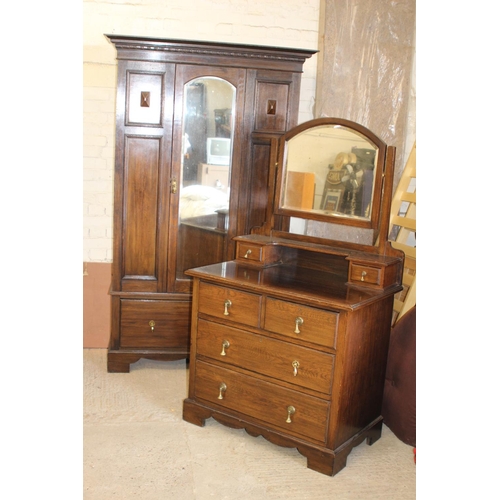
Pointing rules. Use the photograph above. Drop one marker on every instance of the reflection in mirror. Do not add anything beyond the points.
(208, 120)
(329, 170)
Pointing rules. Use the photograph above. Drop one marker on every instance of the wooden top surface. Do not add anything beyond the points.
(294, 283)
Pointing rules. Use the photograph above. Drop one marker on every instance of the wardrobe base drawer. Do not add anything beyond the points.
(154, 323)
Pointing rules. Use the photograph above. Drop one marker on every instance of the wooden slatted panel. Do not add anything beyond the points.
(405, 222)
(402, 233)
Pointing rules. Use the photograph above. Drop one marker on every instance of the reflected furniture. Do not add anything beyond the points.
(289, 340)
(173, 99)
(216, 176)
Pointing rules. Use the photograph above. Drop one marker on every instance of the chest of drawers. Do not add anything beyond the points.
(298, 359)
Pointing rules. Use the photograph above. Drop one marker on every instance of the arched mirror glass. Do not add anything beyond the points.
(208, 120)
(329, 170)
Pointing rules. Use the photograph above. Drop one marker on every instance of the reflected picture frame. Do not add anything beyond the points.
(332, 200)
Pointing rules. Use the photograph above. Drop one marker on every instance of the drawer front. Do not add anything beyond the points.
(154, 323)
(301, 322)
(365, 274)
(249, 252)
(229, 304)
(294, 364)
(257, 254)
(307, 415)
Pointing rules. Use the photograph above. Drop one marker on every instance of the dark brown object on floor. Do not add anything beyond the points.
(399, 405)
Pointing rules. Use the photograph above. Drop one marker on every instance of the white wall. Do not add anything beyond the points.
(285, 23)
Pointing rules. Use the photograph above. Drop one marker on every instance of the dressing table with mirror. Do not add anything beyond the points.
(289, 340)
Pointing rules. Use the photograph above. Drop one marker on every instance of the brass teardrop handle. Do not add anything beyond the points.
(248, 253)
(295, 365)
(222, 390)
(227, 304)
(152, 324)
(298, 321)
(363, 274)
(225, 345)
(291, 411)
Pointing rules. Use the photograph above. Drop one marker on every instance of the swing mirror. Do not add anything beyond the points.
(330, 170)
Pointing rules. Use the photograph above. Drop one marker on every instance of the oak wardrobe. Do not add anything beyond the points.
(194, 127)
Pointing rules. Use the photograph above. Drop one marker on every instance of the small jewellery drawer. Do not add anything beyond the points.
(257, 254)
(226, 303)
(365, 274)
(249, 252)
(301, 322)
(283, 361)
(290, 411)
(154, 323)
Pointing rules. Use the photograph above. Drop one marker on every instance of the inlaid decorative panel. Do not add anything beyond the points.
(271, 103)
(144, 98)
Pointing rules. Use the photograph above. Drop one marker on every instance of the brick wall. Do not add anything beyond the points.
(286, 23)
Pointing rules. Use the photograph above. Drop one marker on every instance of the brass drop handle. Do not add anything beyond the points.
(298, 321)
(295, 365)
(222, 390)
(152, 324)
(291, 411)
(248, 253)
(225, 345)
(363, 274)
(227, 304)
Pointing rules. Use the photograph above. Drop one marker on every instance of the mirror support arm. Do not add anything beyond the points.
(385, 207)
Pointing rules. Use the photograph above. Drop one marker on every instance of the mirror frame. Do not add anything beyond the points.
(374, 220)
(382, 197)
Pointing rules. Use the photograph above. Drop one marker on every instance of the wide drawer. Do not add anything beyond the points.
(226, 303)
(301, 322)
(284, 409)
(154, 323)
(291, 363)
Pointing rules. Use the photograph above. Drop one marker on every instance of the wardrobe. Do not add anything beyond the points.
(195, 125)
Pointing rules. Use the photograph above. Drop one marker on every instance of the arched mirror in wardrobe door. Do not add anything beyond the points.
(204, 184)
